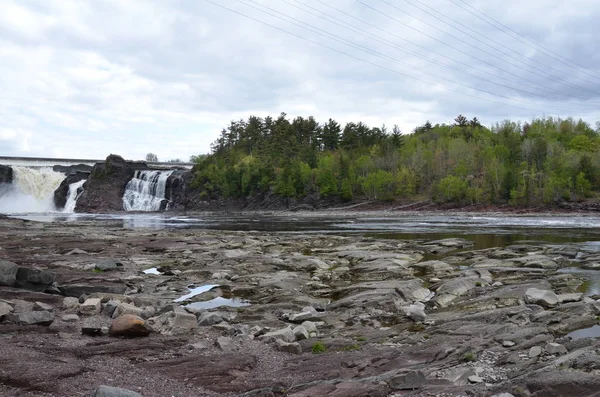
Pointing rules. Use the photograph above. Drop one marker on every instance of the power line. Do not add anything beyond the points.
(461, 51)
(367, 61)
(487, 38)
(538, 85)
(517, 36)
(476, 47)
(394, 45)
(339, 39)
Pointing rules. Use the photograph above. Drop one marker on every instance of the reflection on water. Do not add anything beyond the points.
(218, 302)
(592, 332)
(591, 287)
(196, 291)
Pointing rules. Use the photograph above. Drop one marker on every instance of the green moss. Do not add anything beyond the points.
(361, 339)
(416, 327)
(426, 336)
(470, 356)
(307, 252)
(319, 348)
(350, 348)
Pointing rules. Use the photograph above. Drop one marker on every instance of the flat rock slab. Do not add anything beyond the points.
(107, 391)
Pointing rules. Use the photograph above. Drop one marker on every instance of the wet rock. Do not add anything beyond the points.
(411, 380)
(8, 273)
(76, 290)
(535, 351)
(5, 309)
(226, 343)
(555, 348)
(34, 279)
(540, 297)
(32, 318)
(285, 334)
(129, 325)
(573, 297)
(107, 391)
(108, 265)
(209, 318)
(293, 347)
(563, 383)
(173, 323)
(90, 307)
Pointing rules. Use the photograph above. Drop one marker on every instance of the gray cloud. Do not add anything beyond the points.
(85, 79)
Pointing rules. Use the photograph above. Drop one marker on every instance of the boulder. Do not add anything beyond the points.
(535, 351)
(173, 323)
(5, 309)
(225, 343)
(285, 334)
(41, 306)
(34, 279)
(568, 298)
(129, 325)
(413, 291)
(106, 185)
(293, 347)
(109, 308)
(307, 314)
(8, 273)
(61, 193)
(90, 307)
(555, 348)
(301, 333)
(416, 312)
(127, 308)
(94, 326)
(32, 318)
(540, 297)
(70, 303)
(107, 391)
(209, 318)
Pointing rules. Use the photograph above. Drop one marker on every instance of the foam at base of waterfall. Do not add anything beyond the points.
(32, 190)
(146, 190)
(73, 195)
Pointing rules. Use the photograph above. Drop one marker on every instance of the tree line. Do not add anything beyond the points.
(523, 164)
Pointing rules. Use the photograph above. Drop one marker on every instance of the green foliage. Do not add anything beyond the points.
(319, 348)
(469, 357)
(416, 327)
(350, 348)
(539, 162)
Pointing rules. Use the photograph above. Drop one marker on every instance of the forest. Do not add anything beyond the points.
(540, 162)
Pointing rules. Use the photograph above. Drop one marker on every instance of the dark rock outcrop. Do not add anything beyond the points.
(62, 192)
(34, 279)
(72, 169)
(6, 174)
(178, 186)
(106, 185)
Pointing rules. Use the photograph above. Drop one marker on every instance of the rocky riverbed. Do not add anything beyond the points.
(90, 309)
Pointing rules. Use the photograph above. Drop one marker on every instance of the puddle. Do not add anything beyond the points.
(152, 270)
(196, 291)
(592, 332)
(591, 286)
(217, 302)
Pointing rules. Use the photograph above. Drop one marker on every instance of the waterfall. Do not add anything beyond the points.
(146, 191)
(75, 190)
(32, 190)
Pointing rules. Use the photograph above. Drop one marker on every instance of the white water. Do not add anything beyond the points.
(32, 190)
(74, 194)
(146, 190)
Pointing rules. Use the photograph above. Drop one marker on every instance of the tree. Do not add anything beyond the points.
(461, 121)
(177, 160)
(152, 157)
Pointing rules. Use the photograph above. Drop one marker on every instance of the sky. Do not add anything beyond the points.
(87, 79)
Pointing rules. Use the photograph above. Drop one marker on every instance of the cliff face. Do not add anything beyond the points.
(105, 187)
(61, 194)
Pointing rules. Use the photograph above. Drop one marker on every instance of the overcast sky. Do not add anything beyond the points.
(83, 79)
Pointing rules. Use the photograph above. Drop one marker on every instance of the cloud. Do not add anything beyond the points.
(85, 79)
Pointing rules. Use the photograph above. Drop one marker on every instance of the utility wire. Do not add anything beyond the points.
(389, 43)
(349, 43)
(488, 39)
(517, 36)
(543, 75)
(461, 51)
(367, 61)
